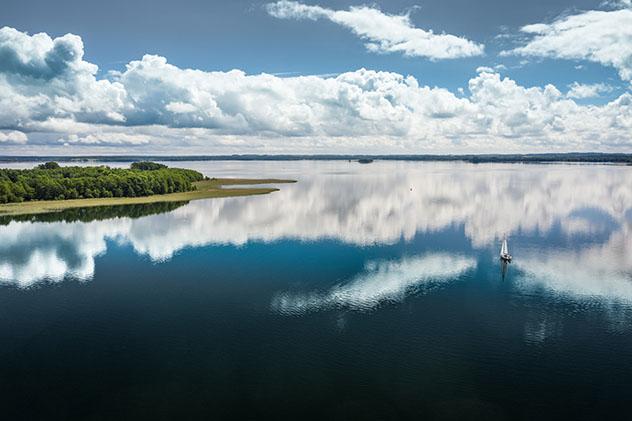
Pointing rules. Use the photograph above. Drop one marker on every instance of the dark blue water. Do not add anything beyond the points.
(361, 292)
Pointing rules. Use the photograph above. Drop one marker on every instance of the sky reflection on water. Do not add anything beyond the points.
(569, 226)
(358, 286)
(381, 281)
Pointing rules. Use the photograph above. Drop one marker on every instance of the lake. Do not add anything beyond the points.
(360, 292)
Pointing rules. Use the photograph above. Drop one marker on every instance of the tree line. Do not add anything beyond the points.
(50, 181)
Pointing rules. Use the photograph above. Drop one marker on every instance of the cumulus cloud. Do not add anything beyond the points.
(384, 33)
(13, 137)
(39, 56)
(153, 102)
(603, 37)
(43, 78)
(580, 90)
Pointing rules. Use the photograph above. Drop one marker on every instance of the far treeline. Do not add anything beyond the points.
(617, 158)
(50, 181)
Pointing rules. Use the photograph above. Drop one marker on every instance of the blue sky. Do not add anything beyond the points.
(558, 89)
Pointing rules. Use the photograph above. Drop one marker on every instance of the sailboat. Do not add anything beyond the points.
(504, 251)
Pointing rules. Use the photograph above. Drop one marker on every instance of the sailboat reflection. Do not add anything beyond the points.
(504, 266)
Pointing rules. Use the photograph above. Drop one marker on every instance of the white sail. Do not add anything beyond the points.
(504, 249)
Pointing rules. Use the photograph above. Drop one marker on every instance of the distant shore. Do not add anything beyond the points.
(588, 157)
(206, 189)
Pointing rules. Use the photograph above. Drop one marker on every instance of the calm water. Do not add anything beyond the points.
(361, 292)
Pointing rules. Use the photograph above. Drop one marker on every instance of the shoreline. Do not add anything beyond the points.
(535, 158)
(206, 189)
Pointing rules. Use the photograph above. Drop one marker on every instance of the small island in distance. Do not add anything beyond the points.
(50, 187)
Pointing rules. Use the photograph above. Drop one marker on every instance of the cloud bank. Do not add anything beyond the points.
(50, 92)
(383, 33)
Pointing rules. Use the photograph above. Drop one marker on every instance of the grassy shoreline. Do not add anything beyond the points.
(206, 189)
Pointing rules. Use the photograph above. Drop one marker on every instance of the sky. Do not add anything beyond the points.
(322, 77)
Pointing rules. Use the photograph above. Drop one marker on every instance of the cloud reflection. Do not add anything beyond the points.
(30, 252)
(381, 203)
(382, 281)
(601, 272)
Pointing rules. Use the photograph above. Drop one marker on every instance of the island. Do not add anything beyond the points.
(50, 187)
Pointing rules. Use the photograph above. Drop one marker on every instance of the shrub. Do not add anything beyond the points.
(49, 166)
(147, 166)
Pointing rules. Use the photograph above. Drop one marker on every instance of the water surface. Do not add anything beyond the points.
(363, 291)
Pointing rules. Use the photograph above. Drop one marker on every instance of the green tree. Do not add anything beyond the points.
(49, 166)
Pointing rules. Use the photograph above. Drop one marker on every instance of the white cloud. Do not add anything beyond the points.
(39, 56)
(384, 33)
(488, 69)
(156, 104)
(484, 69)
(107, 138)
(13, 136)
(603, 37)
(617, 4)
(41, 78)
(579, 90)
